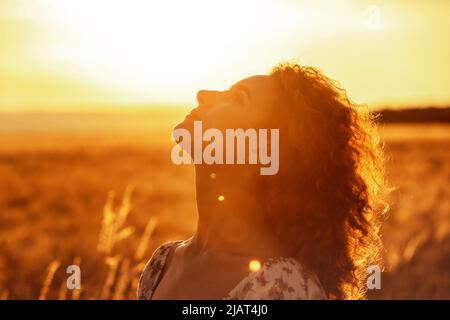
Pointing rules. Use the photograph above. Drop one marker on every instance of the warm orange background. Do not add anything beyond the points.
(61, 55)
(87, 96)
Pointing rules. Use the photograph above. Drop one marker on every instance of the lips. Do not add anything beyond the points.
(194, 114)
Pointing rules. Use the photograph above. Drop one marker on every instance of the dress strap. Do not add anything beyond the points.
(152, 274)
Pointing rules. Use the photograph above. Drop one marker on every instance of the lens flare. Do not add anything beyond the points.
(254, 265)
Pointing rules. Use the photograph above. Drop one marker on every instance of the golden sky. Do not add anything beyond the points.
(61, 55)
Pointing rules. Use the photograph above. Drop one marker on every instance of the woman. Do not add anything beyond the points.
(307, 232)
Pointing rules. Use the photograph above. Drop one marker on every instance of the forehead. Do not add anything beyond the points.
(261, 83)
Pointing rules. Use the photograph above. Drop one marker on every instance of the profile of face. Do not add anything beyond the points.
(245, 109)
(245, 105)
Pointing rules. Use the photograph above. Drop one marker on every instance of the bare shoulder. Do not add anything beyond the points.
(279, 279)
(152, 270)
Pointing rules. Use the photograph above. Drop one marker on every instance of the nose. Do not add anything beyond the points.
(206, 97)
(201, 97)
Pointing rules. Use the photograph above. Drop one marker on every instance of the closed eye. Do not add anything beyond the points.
(239, 93)
(237, 96)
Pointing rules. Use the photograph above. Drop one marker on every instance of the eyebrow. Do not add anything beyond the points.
(241, 87)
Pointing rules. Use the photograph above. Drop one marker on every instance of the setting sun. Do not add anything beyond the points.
(76, 53)
(60, 54)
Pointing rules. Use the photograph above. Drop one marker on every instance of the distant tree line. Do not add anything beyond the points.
(414, 115)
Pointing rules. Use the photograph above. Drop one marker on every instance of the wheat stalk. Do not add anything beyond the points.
(143, 242)
(123, 280)
(62, 290)
(52, 268)
(110, 278)
(113, 230)
(76, 292)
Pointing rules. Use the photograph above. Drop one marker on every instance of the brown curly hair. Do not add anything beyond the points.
(330, 187)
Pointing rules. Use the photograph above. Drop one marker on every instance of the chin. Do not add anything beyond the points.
(187, 123)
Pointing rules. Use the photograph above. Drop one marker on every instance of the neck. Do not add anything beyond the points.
(230, 217)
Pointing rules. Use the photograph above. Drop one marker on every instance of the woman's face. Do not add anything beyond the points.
(245, 105)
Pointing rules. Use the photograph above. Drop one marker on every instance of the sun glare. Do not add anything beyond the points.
(181, 46)
(171, 46)
(87, 52)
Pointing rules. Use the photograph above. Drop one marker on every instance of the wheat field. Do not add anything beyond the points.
(105, 197)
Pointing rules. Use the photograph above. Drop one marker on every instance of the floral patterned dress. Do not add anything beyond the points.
(277, 279)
